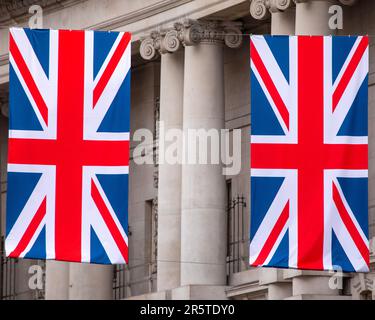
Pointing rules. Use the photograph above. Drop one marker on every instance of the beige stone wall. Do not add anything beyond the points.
(144, 93)
(237, 116)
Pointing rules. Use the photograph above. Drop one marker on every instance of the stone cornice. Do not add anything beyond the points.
(344, 2)
(348, 2)
(141, 14)
(191, 33)
(12, 10)
(261, 9)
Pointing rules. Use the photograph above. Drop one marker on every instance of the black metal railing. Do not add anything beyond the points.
(237, 250)
(10, 288)
(120, 281)
(123, 285)
(7, 275)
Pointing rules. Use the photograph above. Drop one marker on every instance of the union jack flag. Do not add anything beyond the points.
(68, 145)
(309, 152)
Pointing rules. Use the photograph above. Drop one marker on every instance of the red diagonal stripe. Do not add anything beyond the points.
(270, 242)
(117, 55)
(255, 57)
(25, 72)
(352, 66)
(111, 224)
(30, 231)
(350, 226)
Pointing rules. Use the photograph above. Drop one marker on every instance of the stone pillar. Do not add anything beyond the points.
(279, 291)
(169, 187)
(203, 216)
(283, 20)
(312, 17)
(90, 281)
(203, 227)
(57, 280)
(191, 225)
(282, 14)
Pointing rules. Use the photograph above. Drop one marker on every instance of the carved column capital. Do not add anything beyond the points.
(213, 32)
(261, 9)
(148, 48)
(191, 33)
(279, 5)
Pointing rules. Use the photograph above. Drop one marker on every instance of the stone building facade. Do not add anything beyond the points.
(190, 69)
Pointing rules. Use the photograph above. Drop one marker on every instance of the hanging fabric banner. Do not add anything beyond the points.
(69, 105)
(309, 152)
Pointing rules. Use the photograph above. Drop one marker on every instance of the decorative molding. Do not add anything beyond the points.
(191, 33)
(233, 35)
(138, 15)
(148, 49)
(155, 155)
(363, 282)
(11, 10)
(344, 2)
(261, 9)
(171, 41)
(348, 2)
(279, 5)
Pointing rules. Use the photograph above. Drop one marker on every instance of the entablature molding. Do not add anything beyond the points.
(262, 9)
(189, 33)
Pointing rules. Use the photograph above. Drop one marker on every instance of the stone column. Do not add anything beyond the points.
(169, 187)
(57, 280)
(90, 281)
(203, 216)
(191, 210)
(282, 14)
(312, 17)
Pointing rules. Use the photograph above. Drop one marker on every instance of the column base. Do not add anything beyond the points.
(199, 292)
(189, 292)
(318, 297)
(160, 295)
(309, 283)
